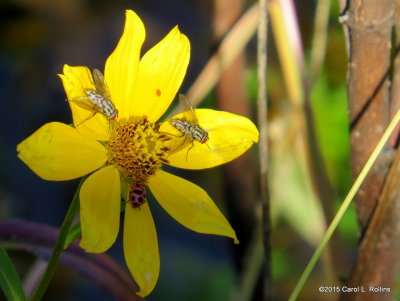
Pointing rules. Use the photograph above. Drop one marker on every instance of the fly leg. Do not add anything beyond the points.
(92, 115)
(187, 153)
(111, 124)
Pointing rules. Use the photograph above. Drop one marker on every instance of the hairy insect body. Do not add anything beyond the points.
(101, 104)
(194, 131)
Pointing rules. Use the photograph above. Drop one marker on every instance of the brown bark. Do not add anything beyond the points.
(370, 25)
(378, 259)
(395, 89)
(378, 201)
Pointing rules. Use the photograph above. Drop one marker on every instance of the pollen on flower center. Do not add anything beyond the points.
(137, 148)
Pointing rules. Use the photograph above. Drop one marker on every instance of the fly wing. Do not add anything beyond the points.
(188, 110)
(100, 84)
(85, 103)
(177, 144)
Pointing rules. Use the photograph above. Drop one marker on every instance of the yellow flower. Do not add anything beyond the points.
(132, 149)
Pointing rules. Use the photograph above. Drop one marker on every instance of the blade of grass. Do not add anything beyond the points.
(347, 201)
(287, 35)
(9, 279)
(282, 26)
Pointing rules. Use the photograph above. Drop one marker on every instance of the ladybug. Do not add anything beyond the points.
(137, 195)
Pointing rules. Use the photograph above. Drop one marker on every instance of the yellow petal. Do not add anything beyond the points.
(75, 80)
(161, 73)
(100, 197)
(230, 135)
(189, 205)
(141, 247)
(122, 65)
(58, 152)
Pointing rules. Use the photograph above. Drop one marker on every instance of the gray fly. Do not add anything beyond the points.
(98, 100)
(188, 126)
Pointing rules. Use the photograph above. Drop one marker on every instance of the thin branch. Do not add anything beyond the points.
(263, 145)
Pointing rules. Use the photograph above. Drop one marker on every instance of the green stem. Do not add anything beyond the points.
(59, 246)
(332, 227)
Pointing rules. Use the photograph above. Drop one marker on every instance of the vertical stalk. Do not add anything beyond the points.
(370, 27)
(263, 145)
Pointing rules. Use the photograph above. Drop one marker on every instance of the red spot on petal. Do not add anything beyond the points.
(158, 92)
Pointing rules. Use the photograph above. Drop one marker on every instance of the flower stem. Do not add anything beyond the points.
(347, 201)
(59, 246)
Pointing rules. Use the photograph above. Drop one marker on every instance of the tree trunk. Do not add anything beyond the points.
(369, 24)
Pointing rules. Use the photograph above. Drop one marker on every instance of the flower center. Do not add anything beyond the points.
(137, 148)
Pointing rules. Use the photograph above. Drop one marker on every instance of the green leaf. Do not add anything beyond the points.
(9, 279)
(73, 233)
